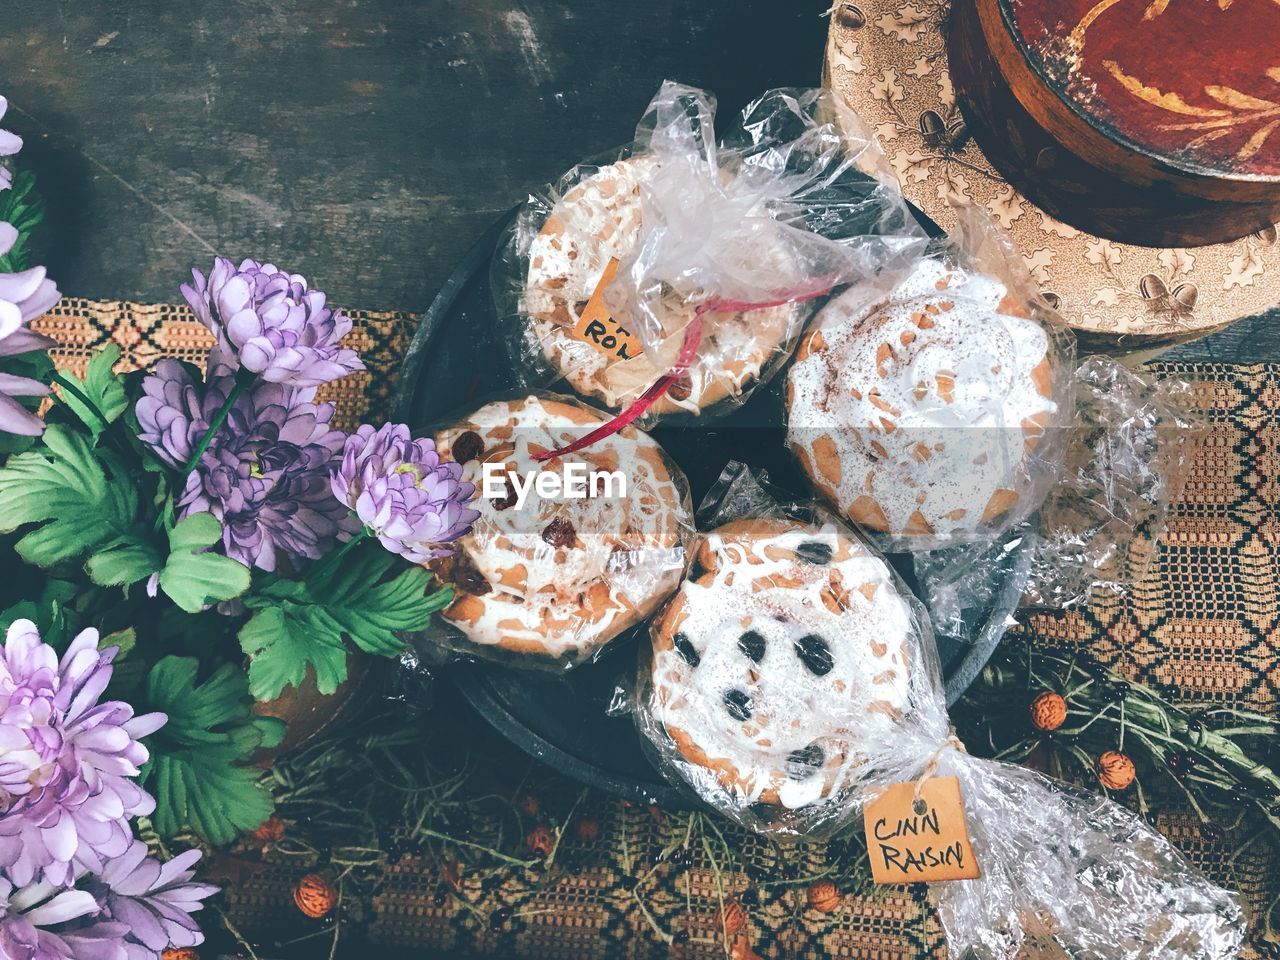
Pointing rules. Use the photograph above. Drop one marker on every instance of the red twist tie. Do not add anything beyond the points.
(688, 350)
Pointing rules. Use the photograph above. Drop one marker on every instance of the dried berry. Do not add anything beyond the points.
(815, 654)
(540, 841)
(628, 883)
(271, 830)
(738, 703)
(441, 896)
(499, 918)
(1115, 770)
(824, 896)
(559, 532)
(508, 498)
(686, 649)
(680, 937)
(1048, 710)
(314, 895)
(681, 388)
(802, 764)
(815, 552)
(749, 897)
(467, 447)
(752, 645)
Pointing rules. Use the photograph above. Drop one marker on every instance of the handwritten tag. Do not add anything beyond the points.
(599, 329)
(909, 843)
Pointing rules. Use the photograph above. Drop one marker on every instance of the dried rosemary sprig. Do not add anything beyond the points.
(1210, 756)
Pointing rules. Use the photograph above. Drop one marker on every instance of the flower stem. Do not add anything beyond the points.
(243, 379)
(322, 569)
(67, 384)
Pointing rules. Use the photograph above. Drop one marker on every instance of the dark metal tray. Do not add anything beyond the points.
(455, 359)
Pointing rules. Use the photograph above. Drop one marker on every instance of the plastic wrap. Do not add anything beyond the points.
(739, 703)
(1131, 445)
(602, 276)
(567, 553)
(931, 407)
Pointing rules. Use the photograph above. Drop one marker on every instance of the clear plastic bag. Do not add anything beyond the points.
(602, 276)
(786, 735)
(931, 406)
(1131, 446)
(567, 553)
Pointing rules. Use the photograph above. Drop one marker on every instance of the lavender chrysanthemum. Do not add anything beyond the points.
(264, 473)
(73, 812)
(33, 919)
(268, 322)
(10, 144)
(153, 901)
(23, 297)
(402, 492)
(135, 909)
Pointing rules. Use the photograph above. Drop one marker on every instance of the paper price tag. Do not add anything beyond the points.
(596, 327)
(909, 843)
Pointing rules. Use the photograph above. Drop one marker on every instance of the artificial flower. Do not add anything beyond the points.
(152, 901)
(23, 297)
(74, 813)
(29, 916)
(402, 492)
(10, 144)
(264, 474)
(268, 322)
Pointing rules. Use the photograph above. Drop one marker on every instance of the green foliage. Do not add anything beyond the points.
(197, 769)
(298, 624)
(101, 387)
(193, 578)
(78, 501)
(22, 207)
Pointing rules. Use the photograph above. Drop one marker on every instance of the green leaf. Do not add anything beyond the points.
(122, 565)
(296, 624)
(22, 207)
(197, 768)
(62, 487)
(371, 615)
(101, 387)
(192, 578)
(283, 639)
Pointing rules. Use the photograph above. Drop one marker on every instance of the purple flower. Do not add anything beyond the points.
(402, 493)
(23, 297)
(268, 322)
(30, 915)
(74, 811)
(134, 909)
(153, 901)
(265, 472)
(10, 144)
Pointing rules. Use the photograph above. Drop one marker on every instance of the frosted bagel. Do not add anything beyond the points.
(558, 577)
(913, 412)
(596, 224)
(784, 651)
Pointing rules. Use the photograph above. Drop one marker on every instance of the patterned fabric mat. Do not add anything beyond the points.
(1201, 627)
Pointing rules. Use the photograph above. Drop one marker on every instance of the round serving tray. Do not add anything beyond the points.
(455, 361)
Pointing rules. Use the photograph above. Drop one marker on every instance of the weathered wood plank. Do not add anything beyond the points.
(365, 143)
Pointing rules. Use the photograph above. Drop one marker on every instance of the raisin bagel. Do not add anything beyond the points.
(786, 648)
(559, 577)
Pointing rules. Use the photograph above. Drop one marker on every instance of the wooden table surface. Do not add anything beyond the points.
(363, 143)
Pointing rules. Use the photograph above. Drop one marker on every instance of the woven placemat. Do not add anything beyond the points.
(1201, 627)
